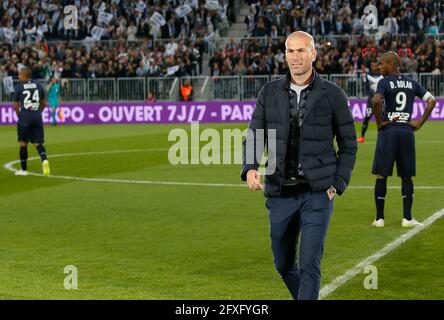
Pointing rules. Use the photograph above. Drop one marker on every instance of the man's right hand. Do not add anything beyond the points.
(416, 125)
(254, 180)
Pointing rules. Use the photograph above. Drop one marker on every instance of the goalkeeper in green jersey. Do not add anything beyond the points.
(54, 99)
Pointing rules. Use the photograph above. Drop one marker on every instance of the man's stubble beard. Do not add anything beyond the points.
(299, 73)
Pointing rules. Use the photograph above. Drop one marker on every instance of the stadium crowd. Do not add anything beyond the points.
(335, 17)
(120, 60)
(409, 27)
(419, 54)
(28, 20)
(33, 34)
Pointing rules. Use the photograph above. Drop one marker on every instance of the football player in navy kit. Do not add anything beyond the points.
(396, 141)
(29, 102)
(372, 79)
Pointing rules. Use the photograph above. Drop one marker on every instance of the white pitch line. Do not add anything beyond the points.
(349, 274)
(10, 167)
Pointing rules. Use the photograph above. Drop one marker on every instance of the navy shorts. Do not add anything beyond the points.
(30, 127)
(396, 143)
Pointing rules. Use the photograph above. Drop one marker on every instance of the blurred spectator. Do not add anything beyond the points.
(391, 24)
(151, 97)
(424, 65)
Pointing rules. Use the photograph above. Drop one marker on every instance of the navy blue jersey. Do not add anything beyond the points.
(29, 94)
(399, 93)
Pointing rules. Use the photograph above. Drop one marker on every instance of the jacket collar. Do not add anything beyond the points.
(315, 78)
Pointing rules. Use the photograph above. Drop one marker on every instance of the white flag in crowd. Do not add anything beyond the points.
(52, 7)
(209, 36)
(42, 29)
(8, 33)
(97, 32)
(157, 19)
(192, 3)
(104, 17)
(140, 6)
(212, 4)
(8, 84)
(31, 31)
(182, 11)
(172, 70)
(102, 7)
(43, 4)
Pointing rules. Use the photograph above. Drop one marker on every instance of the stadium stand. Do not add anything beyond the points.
(279, 18)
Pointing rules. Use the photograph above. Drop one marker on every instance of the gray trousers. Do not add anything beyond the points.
(302, 219)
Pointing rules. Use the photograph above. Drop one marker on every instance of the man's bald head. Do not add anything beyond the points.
(300, 53)
(308, 38)
(389, 63)
(391, 57)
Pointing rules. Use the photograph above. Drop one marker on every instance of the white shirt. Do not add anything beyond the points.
(297, 89)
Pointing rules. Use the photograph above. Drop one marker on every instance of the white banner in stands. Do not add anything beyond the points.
(192, 3)
(104, 17)
(182, 11)
(157, 19)
(97, 32)
(172, 70)
(52, 7)
(8, 84)
(212, 4)
(42, 29)
(8, 33)
(140, 6)
(31, 31)
(102, 7)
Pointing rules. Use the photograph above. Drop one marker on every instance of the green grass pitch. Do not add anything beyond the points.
(151, 241)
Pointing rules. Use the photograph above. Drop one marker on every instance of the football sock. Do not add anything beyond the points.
(380, 192)
(42, 152)
(407, 197)
(364, 126)
(53, 117)
(24, 158)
